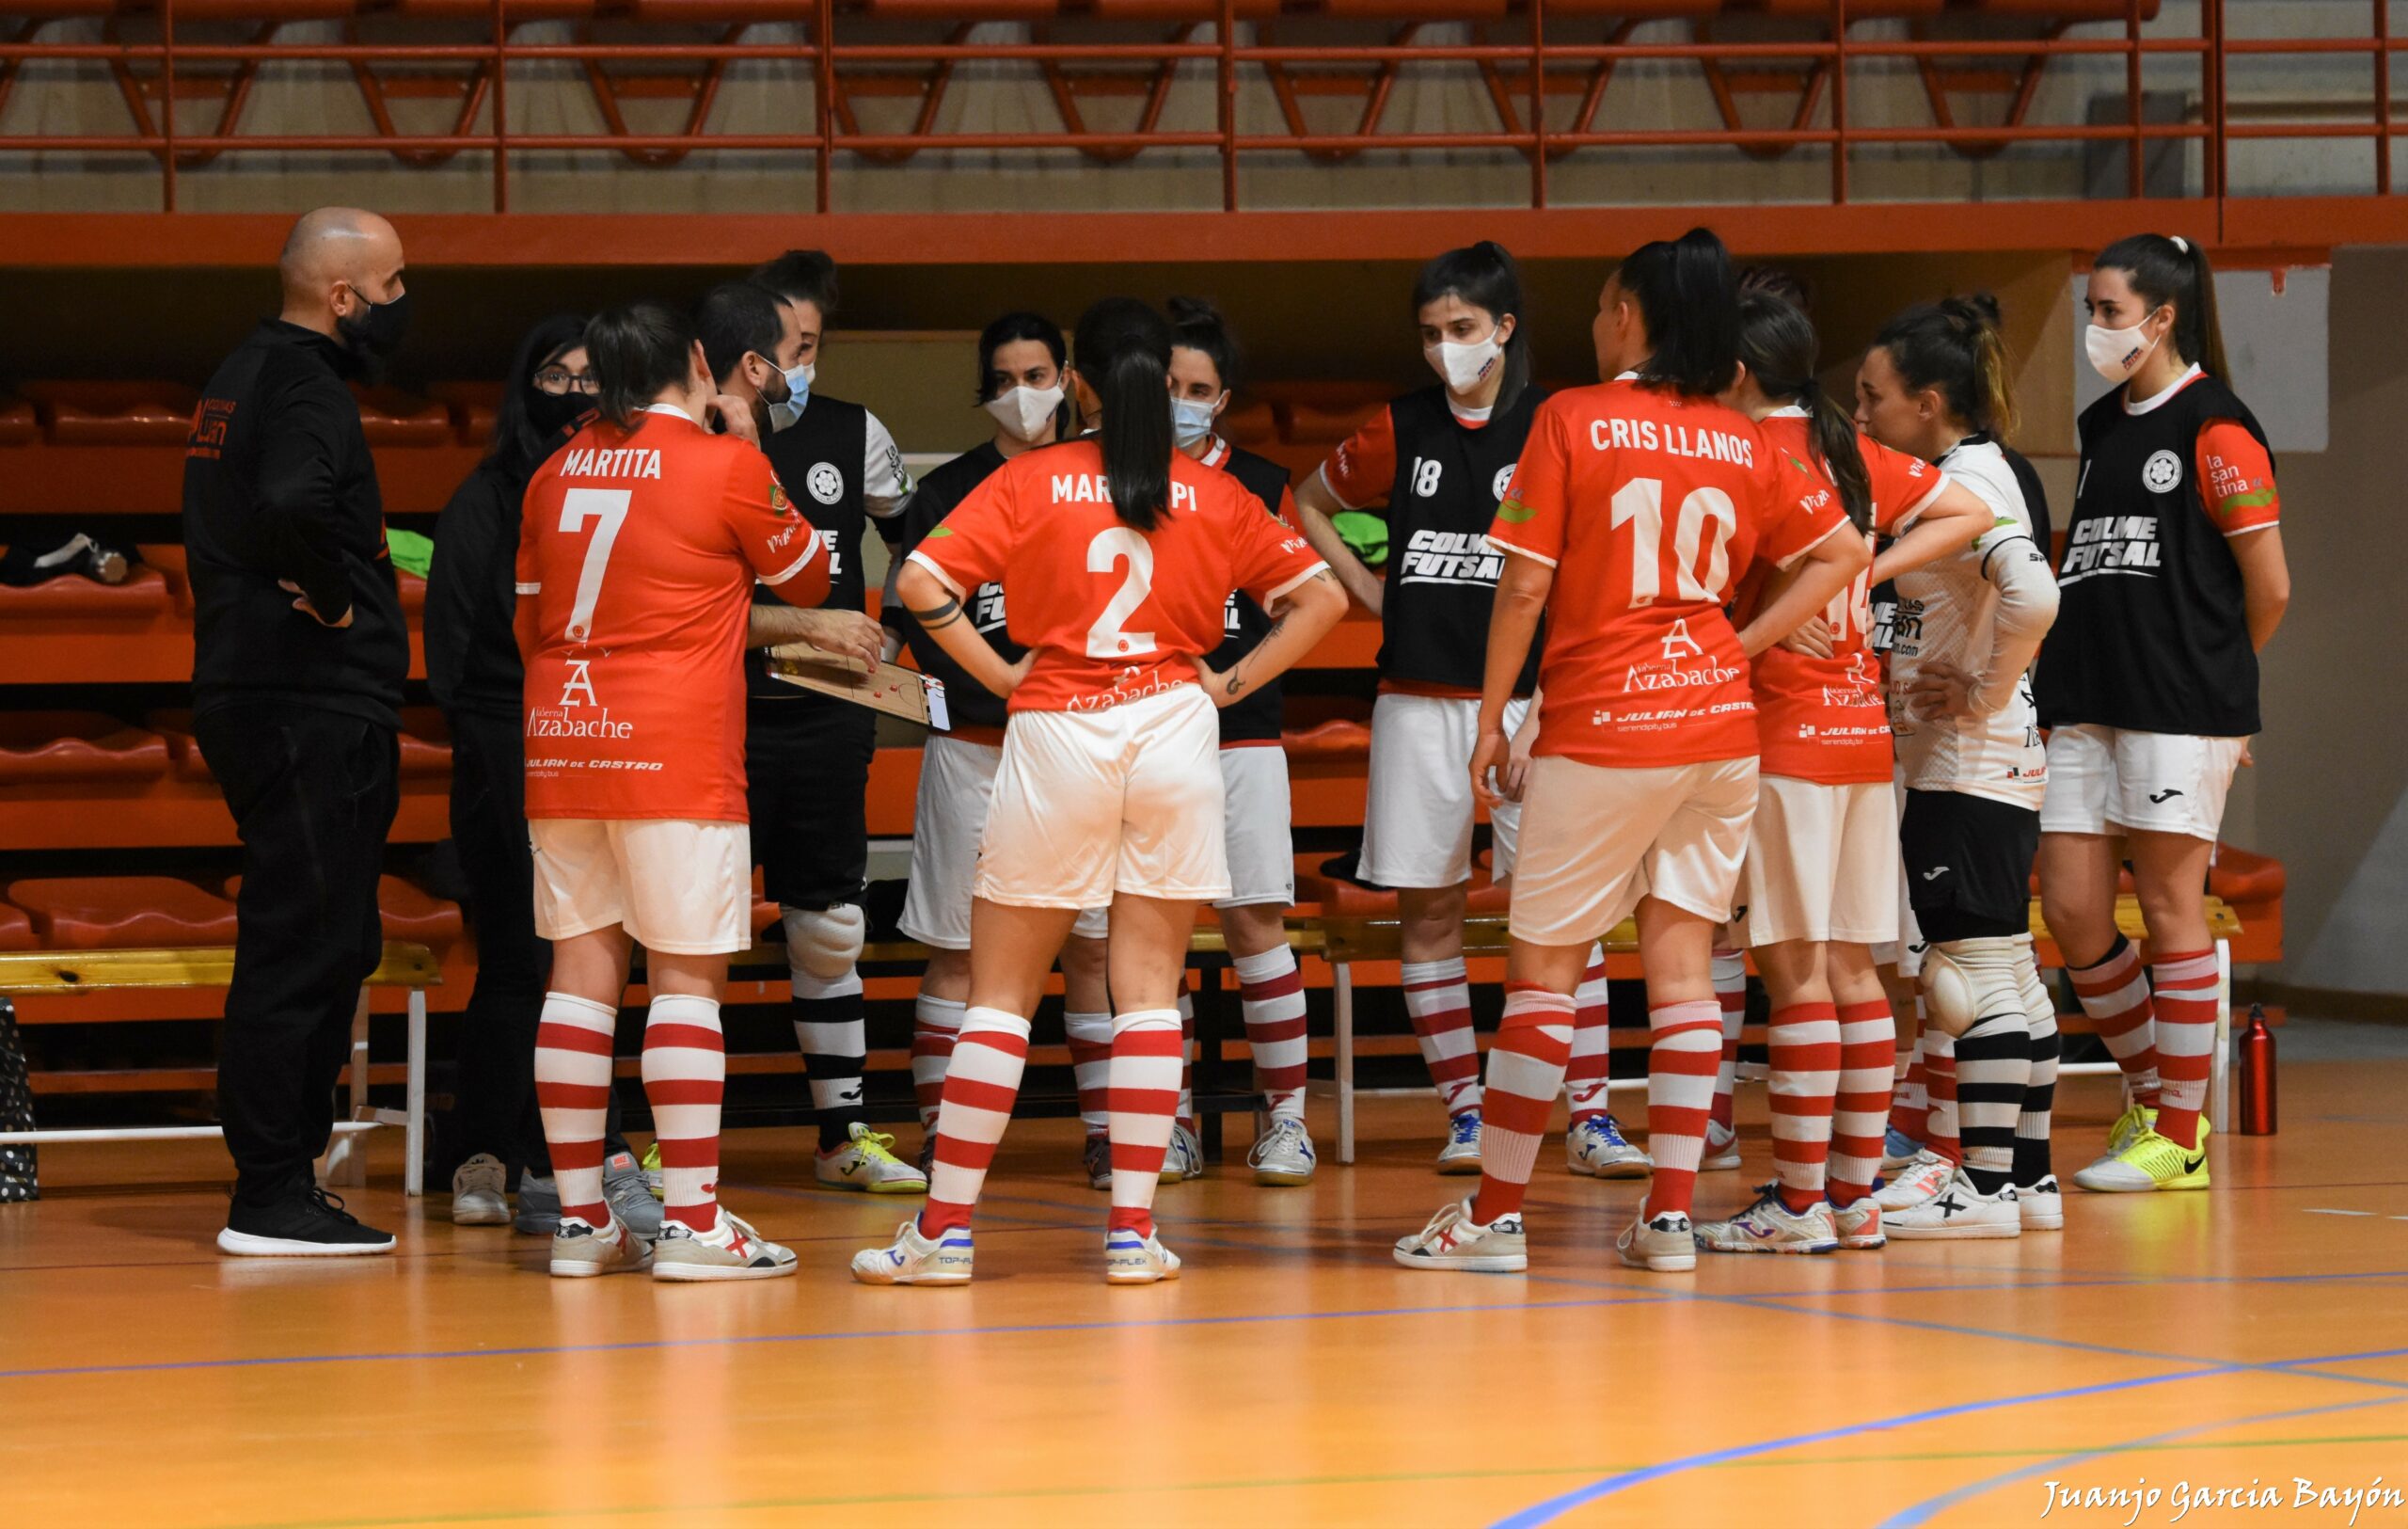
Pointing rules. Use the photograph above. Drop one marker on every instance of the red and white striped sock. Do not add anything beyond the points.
(1686, 1045)
(1437, 999)
(1525, 1068)
(1187, 1058)
(1940, 1073)
(2114, 994)
(1910, 1098)
(573, 1042)
(1090, 1039)
(1591, 1064)
(685, 1077)
(987, 1059)
(935, 1025)
(2186, 1037)
(1731, 996)
(1803, 1040)
(1271, 992)
(1146, 1049)
(1868, 1046)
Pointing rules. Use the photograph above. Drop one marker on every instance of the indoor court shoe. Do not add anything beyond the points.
(2042, 1205)
(1096, 1157)
(1665, 1244)
(1897, 1149)
(1598, 1148)
(654, 1179)
(1452, 1241)
(1283, 1155)
(912, 1259)
(580, 1252)
(629, 1196)
(729, 1250)
(867, 1163)
(1130, 1259)
(2134, 1122)
(1721, 1149)
(1461, 1154)
(539, 1206)
(299, 1223)
(476, 1186)
(1859, 1225)
(1770, 1227)
(1184, 1157)
(1958, 1212)
(2151, 1162)
(1919, 1180)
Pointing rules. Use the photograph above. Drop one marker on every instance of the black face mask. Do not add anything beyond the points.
(375, 331)
(552, 413)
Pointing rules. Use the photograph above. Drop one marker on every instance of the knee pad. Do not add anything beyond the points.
(1964, 981)
(824, 942)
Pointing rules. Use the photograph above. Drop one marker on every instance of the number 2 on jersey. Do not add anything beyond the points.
(1107, 639)
(1700, 572)
(609, 506)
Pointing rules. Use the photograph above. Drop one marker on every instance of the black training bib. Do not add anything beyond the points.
(969, 703)
(818, 461)
(1442, 573)
(1255, 719)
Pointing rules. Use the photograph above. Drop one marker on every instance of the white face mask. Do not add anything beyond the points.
(1191, 419)
(787, 410)
(1023, 412)
(2117, 354)
(1463, 366)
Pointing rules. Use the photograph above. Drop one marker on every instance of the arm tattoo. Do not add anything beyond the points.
(937, 617)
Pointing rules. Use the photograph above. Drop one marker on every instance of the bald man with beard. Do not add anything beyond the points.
(299, 653)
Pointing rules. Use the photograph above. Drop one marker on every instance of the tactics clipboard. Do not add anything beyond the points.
(889, 688)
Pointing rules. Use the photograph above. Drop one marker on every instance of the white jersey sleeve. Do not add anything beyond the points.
(886, 483)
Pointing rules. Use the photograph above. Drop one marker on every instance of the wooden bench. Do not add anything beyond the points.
(412, 968)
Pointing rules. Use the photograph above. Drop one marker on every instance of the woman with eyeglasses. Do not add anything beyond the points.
(473, 669)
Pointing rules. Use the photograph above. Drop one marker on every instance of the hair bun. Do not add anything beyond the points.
(1972, 311)
(1192, 310)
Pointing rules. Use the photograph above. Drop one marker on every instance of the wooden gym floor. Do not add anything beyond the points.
(1295, 1376)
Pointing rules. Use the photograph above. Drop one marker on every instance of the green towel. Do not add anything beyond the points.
(1365, 533)
(412, 553)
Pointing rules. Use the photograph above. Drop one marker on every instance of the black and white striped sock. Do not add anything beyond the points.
(1993, 1069)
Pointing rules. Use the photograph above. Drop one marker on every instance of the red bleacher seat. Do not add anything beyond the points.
(1344, 900)
(54, 746)
(391, 417)
(120, 913)
(514, 11)
(1319, 411)
(1414, 11)
(145, 596)
(474, 407)
(1197, 10)
(1338, 737)
(19, 425)
(964, 11)
(114, 413)
(265, 11)
(1249, 423)
(408, 912)
(16, 930)
(426, 743)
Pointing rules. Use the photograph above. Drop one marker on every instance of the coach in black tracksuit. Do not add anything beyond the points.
(299, 654)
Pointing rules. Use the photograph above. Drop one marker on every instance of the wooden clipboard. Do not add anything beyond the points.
(889, 688)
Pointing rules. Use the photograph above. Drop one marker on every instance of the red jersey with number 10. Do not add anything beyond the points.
(637, 553)
(1113, 613)
(1649, 505)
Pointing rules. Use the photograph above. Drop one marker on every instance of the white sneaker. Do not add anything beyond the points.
(1921, 1180)
(582, 1250)
(1452, 1241)
(1284, 1154)
(1859, 1225)
(1130, 1259)
(1184, 1158)
(1770, 1226)
(477, 1187)
(729, 1250)
(1461, 1154)
(1598, 1148)
(1665, 1244)
(912, 1259)
(1897, 1149)
(1958, 1212)
(2043, 1205)
(1721, 1149)
(867, 1163)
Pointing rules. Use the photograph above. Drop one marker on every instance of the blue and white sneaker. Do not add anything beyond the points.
(1598, 1148)
(912, 1259)
(1284, 1154)
(1770, 1227)
(1461, 1154)
(1130, 1259)
(1897, 1149)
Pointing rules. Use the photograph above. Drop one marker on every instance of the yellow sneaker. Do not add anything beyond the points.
(653, 1179)
(2151, 1162)
(2135, 1122)
(868, 1162)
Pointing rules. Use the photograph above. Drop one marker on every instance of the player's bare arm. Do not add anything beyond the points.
(851, 635)
(1305, 615)
(1947, 525)
(2265, 582)
(1521, 590)
(1821, 573)
(1315, 504)
(938, 612)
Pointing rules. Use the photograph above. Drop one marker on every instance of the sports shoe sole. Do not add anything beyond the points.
(1725, 1163)
(250, 1245)
(1148, 1276)
(1831, 1247)
(2045, 1223)
(1489, 1264)
(1957, 1233)
(679, 1273)
(1452, 1167)
(900, 1187)
(1283, 1178)
(933, 1279)
(1660, 1263)
(1614, 1170)
(578, 1268)
(497, 1213)
(1863, 1244)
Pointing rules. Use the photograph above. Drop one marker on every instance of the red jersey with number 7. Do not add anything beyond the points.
(1113, 613)
(1649, 506)
(637, 556)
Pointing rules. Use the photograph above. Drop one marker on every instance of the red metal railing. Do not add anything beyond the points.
(1521, 74)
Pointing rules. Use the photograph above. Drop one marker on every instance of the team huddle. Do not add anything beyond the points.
(1711, 654)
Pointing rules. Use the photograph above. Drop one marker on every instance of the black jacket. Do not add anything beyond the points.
(279, 485)
(472, 661)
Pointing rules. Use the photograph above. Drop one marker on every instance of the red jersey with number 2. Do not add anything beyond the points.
(637, 553)
(1826, 719)
(1113, 613)
(1649, 506)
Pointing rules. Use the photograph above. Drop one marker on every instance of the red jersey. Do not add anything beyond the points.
(637, 555)
(1824, 719)
(1114, 612)
(1647, 504)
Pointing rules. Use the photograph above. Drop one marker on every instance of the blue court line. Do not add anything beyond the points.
(1930, 1508)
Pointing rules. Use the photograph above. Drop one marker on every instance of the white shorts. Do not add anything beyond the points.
(1905, 951)
(2103, 779)
(1822, 864)
(1417, 824)
(1600, 839)
(957, 779)
(1262, 852)
(681, 887)
(1090, 804)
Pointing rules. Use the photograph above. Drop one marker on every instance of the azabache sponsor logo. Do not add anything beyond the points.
(1671, 673)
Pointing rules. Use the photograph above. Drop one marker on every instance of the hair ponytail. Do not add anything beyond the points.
(1688, 301)
(639, 351)
(1777, 346)
(1486, 277)
(1953, 347)
(1122, 349)
(2163, 270)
